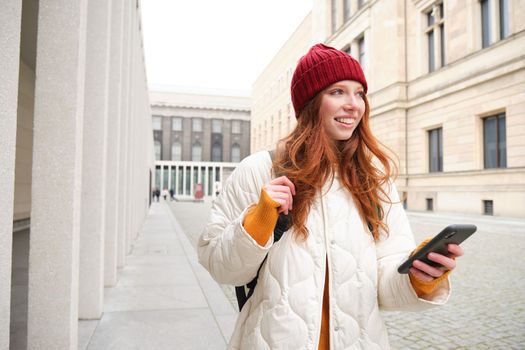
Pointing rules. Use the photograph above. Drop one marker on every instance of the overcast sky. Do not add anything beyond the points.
(215, 44)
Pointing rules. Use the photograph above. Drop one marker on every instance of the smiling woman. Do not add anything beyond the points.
(322, 284)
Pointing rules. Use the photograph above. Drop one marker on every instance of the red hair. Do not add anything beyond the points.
(309, 158)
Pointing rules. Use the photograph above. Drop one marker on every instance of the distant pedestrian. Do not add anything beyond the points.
(172, 193)
(165, 193)
(218, 188)
(156, 194)
(322, 285)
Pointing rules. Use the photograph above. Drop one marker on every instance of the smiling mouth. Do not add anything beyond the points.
(345, 121)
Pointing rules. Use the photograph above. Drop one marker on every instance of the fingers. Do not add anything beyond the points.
(455, 250)
(282, 191)
(431, 271)
(283, 198)
(426, 272)
(420, 275)
(283, 180)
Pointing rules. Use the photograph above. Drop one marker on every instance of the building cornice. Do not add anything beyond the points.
(188, 106)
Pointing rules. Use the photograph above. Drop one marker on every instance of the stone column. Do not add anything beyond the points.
(133, 139)
(93, 199)
(56, 185)
(10, 19)
(113, 145)
(129, 144)
(122, 194)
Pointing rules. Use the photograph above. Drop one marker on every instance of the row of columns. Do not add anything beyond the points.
(92, 159)
(183, 172)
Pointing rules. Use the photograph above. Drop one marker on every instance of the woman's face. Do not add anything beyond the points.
(342, 107)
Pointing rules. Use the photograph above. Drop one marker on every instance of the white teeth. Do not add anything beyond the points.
(345, 120)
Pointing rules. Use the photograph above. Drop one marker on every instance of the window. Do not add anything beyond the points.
(157, 123)
(346, 10)
(334, 15)
(435, 150)
(430, 204)
(196, 124)
(216, 152)
(485, 23)
(430, 40)
(216, 126)
(196, 152)
(435, 33)
(362, 52)
(488, 207)
(236, 153)
(503, 19)
(236, 126)
(176, 151)
(176, 124)
(494, 21)
(360, 3)
(158, 148)
(495, 142)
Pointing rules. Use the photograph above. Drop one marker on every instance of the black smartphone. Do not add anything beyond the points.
(452, 234)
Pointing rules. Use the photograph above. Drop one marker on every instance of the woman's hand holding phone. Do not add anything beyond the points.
(427, 273)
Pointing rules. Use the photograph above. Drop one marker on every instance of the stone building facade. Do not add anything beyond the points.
(447, 90)
(200, 127)
(76, 162)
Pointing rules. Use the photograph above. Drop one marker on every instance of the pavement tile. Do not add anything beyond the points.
(86, 328)
(130, 298)
(157, 275)
(190, 329)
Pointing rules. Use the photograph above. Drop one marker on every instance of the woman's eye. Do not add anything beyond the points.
(336, 92)
(361, 94)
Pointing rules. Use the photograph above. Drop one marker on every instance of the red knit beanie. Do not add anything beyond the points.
(320, 67)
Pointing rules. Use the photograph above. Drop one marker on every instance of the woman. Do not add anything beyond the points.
(323, 283)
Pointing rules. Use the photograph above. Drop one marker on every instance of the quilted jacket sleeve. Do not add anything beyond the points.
(395, 292)
(225, 249)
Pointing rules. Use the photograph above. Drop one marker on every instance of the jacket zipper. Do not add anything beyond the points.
(328, 263)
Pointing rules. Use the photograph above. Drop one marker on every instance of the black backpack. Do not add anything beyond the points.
(243, 293)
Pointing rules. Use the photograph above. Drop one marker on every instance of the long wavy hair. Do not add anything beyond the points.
(309, 158)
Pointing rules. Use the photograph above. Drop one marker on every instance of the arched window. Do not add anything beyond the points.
(158, 148)
(196, 152)
(176, 151)
(216, 152)
(236, 153)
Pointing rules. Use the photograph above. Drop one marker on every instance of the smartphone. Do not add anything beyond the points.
(452, 234)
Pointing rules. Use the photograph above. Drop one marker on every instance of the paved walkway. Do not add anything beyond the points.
(163, 299)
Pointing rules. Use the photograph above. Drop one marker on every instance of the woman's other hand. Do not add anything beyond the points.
(427, 273)
(281, 190)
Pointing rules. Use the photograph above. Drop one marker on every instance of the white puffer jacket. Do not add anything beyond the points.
(285, 309)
